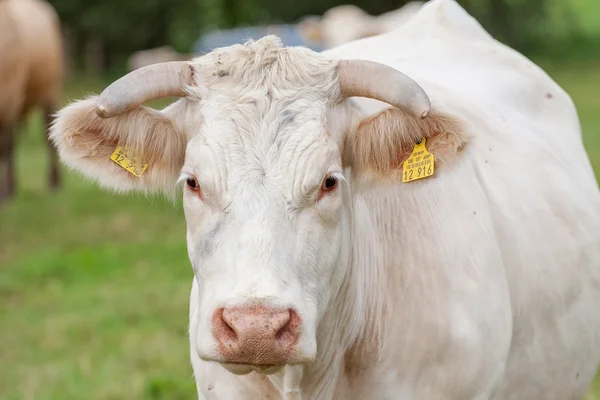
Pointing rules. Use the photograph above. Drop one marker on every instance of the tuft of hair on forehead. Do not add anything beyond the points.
(267, 67)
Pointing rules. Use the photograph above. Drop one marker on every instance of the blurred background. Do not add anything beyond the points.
(94, 287)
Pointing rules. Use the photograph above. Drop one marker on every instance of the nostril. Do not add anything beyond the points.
(224, 325)
(288, 333)
(229, 328)
(279, 321)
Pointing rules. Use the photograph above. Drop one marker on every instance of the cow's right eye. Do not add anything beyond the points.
(329, 183)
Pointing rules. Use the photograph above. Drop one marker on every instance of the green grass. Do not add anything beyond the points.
(94, 287)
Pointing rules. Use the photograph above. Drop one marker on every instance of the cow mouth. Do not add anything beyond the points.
(243, 369)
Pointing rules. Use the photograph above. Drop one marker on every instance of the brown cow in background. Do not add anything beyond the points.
(31, 75)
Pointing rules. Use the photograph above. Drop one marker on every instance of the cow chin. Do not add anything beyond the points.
(244, 369)
(303, 354)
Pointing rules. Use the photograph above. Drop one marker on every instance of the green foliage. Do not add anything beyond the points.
(122, 27)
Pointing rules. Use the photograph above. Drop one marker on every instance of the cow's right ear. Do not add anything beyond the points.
(138, 150)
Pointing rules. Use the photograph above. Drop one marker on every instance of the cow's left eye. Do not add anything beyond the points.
(329, 183)
(192, 184)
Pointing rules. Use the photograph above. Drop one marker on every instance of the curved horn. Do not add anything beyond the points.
(380, 82)
(167, 79)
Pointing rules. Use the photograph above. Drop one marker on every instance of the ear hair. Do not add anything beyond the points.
(85, 143)
(380, 144)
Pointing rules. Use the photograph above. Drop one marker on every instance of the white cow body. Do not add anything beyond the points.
(318, 273)
(490, 273)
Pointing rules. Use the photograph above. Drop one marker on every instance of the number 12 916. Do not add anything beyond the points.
(416, 173)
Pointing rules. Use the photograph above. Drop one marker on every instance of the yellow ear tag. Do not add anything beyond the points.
(419, 165)
(128, 161)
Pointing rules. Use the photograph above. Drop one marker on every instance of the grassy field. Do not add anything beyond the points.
(94, 287)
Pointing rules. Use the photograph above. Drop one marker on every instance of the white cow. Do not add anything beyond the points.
(319, 274)
(155, 55)
(347, 22)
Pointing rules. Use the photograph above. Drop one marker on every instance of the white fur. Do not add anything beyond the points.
(481, 282)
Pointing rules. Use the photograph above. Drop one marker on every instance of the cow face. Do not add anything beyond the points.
(263, 195)
(258, 143)
(263, 200)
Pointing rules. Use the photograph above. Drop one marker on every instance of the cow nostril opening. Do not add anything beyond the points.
(224, 327)
(288, 333)
(228, 329)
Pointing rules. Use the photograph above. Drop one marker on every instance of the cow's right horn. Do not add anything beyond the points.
(154, 81)
(378, 81)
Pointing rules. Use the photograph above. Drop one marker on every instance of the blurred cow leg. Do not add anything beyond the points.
(7, 162)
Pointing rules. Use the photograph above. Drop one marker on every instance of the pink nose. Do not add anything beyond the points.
(256, 335)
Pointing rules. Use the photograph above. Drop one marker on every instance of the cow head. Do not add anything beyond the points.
(259, 141)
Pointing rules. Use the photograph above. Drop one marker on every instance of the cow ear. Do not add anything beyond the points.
(377, 146)
(138, 150)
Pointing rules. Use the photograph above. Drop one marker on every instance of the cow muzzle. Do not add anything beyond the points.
(257, 336)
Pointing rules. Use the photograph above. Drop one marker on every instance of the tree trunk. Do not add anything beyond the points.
(500, 19)
(94, 59)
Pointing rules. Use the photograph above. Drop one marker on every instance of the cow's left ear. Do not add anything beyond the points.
(377, 146)
(140, 149)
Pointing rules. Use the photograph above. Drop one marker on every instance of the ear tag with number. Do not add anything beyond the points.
(128, 161)
(419, 165)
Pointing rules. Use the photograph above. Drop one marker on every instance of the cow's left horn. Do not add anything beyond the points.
(154, 81)
(380, 82)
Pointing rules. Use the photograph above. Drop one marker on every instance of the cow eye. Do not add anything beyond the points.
(329, 183)
(192, 184)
